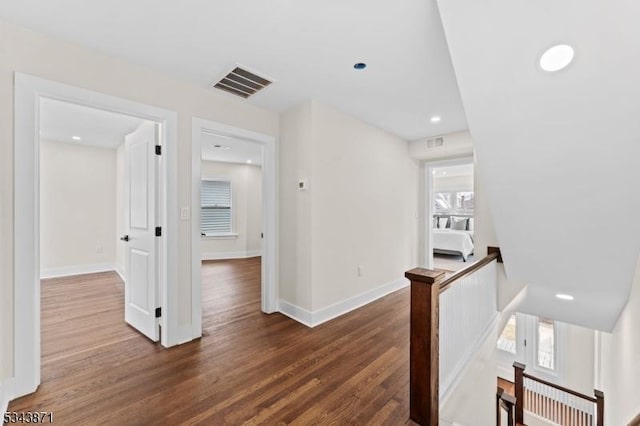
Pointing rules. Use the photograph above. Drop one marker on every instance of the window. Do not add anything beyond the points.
(464, 202)
(215, 202)
(537, 342)
(507, 340)
(453, 202)
(546, 344)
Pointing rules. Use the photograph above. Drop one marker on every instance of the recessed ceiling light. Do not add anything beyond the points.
(76, 138)
(435, 119)
(433, 172)
(564, 296)
(225, 147)
(360, 65)
(556, 58)
(249, 161)
(444, 173)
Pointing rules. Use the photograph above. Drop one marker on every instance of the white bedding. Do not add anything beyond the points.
(455, 241)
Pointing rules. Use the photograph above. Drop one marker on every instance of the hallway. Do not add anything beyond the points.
(248, 367)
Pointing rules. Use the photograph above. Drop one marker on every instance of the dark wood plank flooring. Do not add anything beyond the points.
(249, 368)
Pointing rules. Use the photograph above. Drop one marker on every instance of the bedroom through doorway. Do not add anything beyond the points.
(452, 215)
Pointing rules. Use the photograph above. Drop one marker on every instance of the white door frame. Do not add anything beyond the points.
(26, 327)
(428, 201)
(269, 214)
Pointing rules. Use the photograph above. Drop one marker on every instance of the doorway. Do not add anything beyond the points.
(539, 343)
(29, 93)
(242, 174)
(450, 220)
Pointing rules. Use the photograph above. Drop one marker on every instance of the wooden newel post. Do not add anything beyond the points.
(424, 361)
(599, 407)
(519, 390)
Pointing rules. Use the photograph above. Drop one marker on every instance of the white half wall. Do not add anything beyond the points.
(77, 208)
(246, 184)
(472, 400)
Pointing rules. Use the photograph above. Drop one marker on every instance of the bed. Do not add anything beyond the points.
(449, 241)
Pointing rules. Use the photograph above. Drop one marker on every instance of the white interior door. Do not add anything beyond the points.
(141, 285)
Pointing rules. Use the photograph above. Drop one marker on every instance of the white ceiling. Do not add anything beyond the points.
(232, 150)
(558, 152)
(60, 121)
(309, 47)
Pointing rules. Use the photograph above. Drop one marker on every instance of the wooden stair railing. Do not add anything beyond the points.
(554, 402)
(426, 286)
(505, 402)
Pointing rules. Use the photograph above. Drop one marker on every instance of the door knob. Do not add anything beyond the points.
(125, 238)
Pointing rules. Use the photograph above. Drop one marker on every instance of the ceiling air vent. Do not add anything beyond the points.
(242, 83)
(437, 142)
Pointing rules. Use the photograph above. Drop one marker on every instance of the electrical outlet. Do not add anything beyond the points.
(360, 271)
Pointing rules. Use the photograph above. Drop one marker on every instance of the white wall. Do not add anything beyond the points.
(359, 209)
(458, 144)
(295, 206)
(484, 236)
(453, 183)
(246, 184)
(23, 50)
(579, 359)
(620, 360)
(77, 214)
(364, 193)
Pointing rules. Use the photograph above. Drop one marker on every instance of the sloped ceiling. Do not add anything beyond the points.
(559, 153)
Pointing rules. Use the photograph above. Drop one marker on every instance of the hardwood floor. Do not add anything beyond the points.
(249, 368)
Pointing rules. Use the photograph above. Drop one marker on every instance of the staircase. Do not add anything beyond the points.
(450, 320)
(547, 403)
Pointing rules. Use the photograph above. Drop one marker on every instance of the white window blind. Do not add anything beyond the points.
(215, 201)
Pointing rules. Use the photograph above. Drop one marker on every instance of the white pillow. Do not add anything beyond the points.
(470, 224)
(458, 223)
(442, 222)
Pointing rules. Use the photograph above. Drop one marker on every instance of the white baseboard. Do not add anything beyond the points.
(296, 313)
(348, 305)
(231, 255)
(312, 319)
(65, 271)
(120, 271)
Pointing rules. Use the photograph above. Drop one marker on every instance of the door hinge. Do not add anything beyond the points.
(158, 231)
(525, 343)
(158, 312)
(158, 149)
